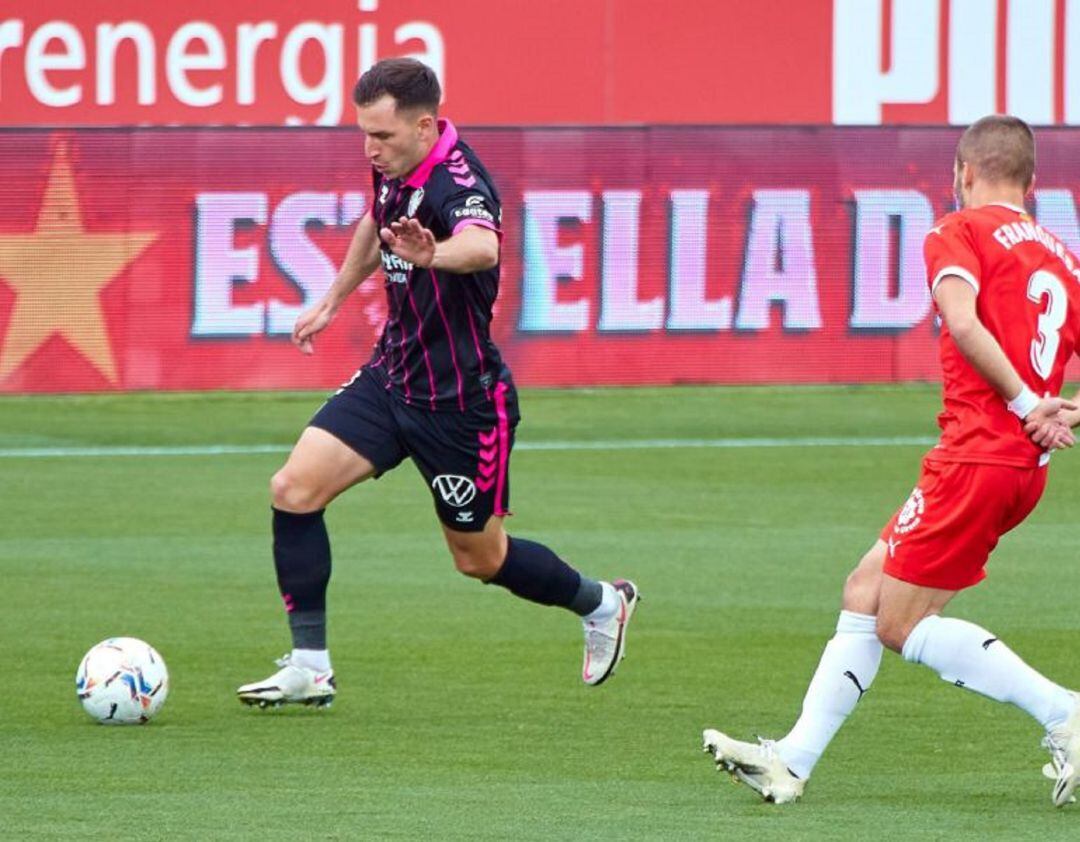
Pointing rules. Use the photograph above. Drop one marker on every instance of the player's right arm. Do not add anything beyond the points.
(954, 269)
(361, 260)
(955, 299)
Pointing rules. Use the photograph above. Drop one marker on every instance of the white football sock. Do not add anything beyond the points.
(968, 656)
(846, 670)
(312, 659)
(609, 604)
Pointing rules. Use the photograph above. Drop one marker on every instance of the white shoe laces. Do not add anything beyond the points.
(1056, 747)
(597, 640)
(768, 748)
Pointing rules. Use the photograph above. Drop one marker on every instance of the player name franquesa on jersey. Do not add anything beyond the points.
(1014, 233)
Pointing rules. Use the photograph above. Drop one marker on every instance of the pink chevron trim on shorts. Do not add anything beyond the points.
(487, 462)
(504, 448)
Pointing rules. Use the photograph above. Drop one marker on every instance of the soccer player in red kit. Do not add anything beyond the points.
(1008, 293)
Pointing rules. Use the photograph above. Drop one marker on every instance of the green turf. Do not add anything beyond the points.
(461, 714)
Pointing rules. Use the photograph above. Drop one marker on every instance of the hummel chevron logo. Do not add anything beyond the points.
(488, 454)
(459, 169)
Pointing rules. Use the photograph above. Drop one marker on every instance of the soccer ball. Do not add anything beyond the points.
(122, 681)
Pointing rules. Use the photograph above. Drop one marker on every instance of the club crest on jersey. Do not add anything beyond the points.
(414, 202)
(384, 193)
(456, 491)
(911, 515)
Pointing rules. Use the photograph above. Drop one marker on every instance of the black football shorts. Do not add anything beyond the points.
(464, 457)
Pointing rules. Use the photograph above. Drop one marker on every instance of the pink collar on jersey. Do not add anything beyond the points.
(447, 138)
(1010, 206)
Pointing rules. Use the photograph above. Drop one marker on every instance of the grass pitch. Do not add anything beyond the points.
(461, 714)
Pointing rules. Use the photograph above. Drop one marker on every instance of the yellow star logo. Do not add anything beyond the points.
(58, 273)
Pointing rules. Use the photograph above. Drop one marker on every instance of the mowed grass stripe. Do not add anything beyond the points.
(628, 444)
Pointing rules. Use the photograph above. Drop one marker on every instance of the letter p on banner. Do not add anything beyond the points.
(861, 82)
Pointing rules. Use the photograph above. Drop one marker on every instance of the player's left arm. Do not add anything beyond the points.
(955, 299)
(472, 249)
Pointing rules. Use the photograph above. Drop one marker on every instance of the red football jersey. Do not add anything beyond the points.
(1028, 287)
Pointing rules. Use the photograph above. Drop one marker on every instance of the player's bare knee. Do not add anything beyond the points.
(861, 591)
(476, 564)
(853, 588)
(893, 632)
(291, 495)
(478, 555)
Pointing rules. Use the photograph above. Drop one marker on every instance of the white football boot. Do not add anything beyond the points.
(755, 764)
(292, 684)
(605, 641)
(1064, 766)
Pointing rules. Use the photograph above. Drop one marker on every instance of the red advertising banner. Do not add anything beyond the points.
(178, 259)
(514, 62)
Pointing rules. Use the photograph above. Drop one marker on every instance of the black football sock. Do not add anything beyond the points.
(308, 629)
(533, 572)
(588, 597)
(302, 561)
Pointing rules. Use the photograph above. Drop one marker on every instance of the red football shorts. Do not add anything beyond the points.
(944, 533)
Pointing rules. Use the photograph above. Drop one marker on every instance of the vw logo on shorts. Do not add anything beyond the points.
(457, 491)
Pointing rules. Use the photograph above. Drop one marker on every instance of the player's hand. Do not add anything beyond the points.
(1071, 417)
(1047, 426)
(410, 241)
(310, 322)
(1054, 435)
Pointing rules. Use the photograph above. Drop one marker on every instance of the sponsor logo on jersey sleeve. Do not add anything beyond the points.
(474, 208)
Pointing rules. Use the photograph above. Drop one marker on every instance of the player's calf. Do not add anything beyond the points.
(533, 572)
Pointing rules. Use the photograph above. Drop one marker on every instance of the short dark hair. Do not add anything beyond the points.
(411, 83)
(1000, 148)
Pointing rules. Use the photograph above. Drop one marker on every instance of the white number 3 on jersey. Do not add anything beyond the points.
(1044, 346)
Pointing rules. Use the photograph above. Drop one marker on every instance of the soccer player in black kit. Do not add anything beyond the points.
(435, 390)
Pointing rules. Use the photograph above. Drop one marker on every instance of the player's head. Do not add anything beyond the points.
(997, 152)
(397, 106)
